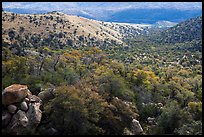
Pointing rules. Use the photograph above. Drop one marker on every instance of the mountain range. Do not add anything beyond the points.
(126, 12)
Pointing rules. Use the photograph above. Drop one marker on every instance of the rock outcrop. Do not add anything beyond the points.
(14, 93)
(21, 110)
(47, 94)
(136, 127)
(151, 120)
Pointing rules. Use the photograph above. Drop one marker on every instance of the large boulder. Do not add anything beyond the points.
(14, 94)
(18, 122)
(136, 127)
(34, 115)
(47, 94)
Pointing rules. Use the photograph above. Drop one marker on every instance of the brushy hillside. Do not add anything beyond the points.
(186, 31)
(66, 29)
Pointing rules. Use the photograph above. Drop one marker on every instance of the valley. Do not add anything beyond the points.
(102, 78)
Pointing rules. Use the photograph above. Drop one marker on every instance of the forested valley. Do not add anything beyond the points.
(90, 86)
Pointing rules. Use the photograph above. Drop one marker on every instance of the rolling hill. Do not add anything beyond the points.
(183, 32)
(66, 29)
(57, 29)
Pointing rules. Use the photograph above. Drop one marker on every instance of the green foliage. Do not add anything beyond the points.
(149, 110)
(196, 110)
(99, 89)
(75, 110)
(193, 128)
(112, 84)
(171, 118)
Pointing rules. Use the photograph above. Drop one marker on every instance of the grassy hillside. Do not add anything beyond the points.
(66, 29)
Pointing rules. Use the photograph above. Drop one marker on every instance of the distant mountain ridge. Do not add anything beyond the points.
(152, 16)
(126, 12)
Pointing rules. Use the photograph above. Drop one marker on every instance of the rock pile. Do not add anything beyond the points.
(20, 110)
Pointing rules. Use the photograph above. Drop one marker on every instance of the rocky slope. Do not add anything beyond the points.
(129, 30)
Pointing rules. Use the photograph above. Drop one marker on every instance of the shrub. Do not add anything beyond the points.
(75, 110)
